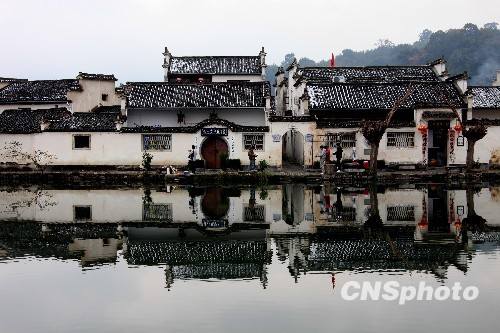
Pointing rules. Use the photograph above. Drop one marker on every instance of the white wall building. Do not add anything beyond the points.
(83, 94)
(323, 106)
(484, 106)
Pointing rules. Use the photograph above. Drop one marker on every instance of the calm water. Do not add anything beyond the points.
(272, 259)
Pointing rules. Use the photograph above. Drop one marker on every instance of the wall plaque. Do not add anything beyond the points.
(214, 131)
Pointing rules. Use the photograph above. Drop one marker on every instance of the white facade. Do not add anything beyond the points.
(93, 93)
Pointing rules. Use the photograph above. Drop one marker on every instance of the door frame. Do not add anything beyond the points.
(204, 142)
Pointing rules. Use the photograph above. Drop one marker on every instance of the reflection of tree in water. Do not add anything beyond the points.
(473, 222)
(374, 224)
(40, 198)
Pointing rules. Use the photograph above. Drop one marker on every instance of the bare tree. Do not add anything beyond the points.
(39, 158)
(473, 133)
(373, 130)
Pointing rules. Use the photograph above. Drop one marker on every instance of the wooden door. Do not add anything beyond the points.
(212, 150)
(438, 152)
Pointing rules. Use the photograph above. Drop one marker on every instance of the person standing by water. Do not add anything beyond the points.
(192, 158)
(322, 158)
(252, 156)
(338, 156)
(328, 152)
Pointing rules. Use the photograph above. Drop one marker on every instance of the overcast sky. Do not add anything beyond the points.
(57, 39)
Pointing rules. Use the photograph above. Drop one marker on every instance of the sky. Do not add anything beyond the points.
(57, 39)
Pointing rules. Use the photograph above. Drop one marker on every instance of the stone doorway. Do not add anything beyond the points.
(212, 150)
(438, 143)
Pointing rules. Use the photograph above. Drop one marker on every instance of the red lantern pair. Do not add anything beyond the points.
(422, 128)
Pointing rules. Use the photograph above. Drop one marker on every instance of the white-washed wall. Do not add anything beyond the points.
(26, 142)
(113, 148)
(488, 148)
(91, 95)
(247, 117)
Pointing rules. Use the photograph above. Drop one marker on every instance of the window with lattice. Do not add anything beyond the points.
(157, 142)
(347, 214)
(401, 213)
(256, 140)
(254, 213)
(157, 212)
(401, 139)
(347, 140)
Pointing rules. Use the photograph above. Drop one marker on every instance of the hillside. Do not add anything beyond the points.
(472, 49)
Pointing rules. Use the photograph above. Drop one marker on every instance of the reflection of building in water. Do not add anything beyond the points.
(397, 252)
(95, 250)
(92, 244)
(192, 254)
(204, 206)
(287, 209)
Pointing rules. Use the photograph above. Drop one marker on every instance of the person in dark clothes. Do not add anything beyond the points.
(338, 156)
(252, 156)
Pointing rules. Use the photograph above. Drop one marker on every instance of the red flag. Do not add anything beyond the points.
(332, 61)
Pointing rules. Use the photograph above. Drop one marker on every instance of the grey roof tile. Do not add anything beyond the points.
(216, 65)
(485, 97)
(42, 91)
(379, 96)
(212, 95)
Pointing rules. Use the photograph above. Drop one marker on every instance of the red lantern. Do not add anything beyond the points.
(423, 223)
(422, 128)
(457, 127)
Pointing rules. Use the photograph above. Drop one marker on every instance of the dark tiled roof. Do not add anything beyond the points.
(380, 96)
(370, 74)
(214, 95)
(485, 97)
(85, 122)
(107, 109)
(193, 129)
(26, 121)
(37, 91)
(10, 79)
(100, 77)
(216, 65)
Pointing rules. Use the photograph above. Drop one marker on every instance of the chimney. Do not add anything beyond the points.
(281, 89)
(439, 67)
(262, 55)
(167, 57)
(497, 82)
(44, 125)
(280, 76)
(460, 81)
(119, 122)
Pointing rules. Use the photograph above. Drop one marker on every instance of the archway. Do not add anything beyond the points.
(293, 147)
(212, 150)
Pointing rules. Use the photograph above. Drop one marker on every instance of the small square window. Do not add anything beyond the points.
(82, 213)
(104, 97)
(81, 141)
